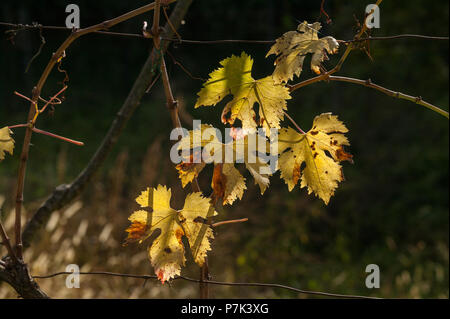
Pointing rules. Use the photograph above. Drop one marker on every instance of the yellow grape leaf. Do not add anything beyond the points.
(234, 77)
(227, 182)
(293, 46)
(167, 253)
(314, 157)
(6, 142)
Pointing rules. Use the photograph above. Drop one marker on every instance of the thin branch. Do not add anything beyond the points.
(368, 83)
(65, 139)
(322, 11)
(212, 282)
(170, 24)
(231, 221)
(55, 102)
(48, 134)
(183, 68)
(6, 242)
(294, 87)
(54, 97)
(23, 97)
(293, 122)
(156, 15)
(17, 126)
(153, 83)
(395, 94)
(38, 51)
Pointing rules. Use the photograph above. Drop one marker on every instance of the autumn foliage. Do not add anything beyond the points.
(311, 158)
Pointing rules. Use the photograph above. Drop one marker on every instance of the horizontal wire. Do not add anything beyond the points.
(212, 282)
(20, 27)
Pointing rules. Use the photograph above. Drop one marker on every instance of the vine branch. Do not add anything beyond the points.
(368, 83)
(394, 94)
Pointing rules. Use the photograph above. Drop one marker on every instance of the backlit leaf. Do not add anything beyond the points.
(167, 252)
(293, 46)
(314, 157)
(234, 77)
(227, 182)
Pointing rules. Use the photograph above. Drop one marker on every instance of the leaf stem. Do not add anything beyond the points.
(17, 126)
(293, 122)
(58, 136)
(23, 97)
(231, 221)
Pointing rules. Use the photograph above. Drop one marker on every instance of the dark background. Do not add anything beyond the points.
(392, 210)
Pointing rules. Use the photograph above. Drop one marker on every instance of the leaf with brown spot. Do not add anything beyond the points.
(227, 182)
(293, 46)
(167, 252)
(322, 173)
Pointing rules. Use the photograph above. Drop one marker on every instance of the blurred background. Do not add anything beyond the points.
(392, 210)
